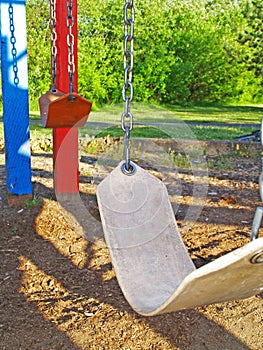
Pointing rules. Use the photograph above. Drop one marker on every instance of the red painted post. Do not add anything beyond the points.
(65, 140)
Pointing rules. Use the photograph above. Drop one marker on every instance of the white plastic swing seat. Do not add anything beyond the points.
(152, 265)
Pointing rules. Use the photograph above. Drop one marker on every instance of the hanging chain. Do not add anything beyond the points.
(70, 42)
(53, 23)
(13, 42)
(127, 88)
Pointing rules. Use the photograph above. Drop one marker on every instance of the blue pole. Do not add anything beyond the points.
(15, 96)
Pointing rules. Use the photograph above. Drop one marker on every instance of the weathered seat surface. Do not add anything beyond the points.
(152, 265)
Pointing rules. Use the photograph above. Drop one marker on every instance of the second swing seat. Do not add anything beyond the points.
(60, 110)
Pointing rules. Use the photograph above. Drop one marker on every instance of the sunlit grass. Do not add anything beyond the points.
(181, 131)
(220, 113)
(200, 132)
(147, 112)
(144, 112)
(222, 133)
(137, 132)
(156, 115)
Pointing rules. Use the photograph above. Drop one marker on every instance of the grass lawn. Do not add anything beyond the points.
(177, 132)
(181, 118)
(148, 113)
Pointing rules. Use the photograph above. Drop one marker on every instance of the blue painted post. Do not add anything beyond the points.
(15, 96)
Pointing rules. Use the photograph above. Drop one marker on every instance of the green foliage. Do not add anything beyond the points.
(252, 36)
(184, 52)
(100, 50)
(152, 50)
(38, 37)
(33, 202)
(180, 160)
(206, 64)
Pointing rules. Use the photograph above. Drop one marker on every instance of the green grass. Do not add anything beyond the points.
(137, 132)
(32, 203)
(222, 133)
(37, 130)
(177, 132)
(144, 112)
(219, 113)
(180, 132)
(34, 116)
(150, 113)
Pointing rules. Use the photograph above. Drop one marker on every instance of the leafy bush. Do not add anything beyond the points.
(184, 51)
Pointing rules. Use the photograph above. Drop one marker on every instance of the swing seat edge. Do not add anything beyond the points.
(230, 277)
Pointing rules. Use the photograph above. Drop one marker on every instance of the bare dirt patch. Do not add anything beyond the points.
(59, 291)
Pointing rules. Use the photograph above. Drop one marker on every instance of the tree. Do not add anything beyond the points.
(205, 63)
(38, 38)
(252, 36)
(183, 51)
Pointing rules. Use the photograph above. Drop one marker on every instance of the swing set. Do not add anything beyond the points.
(153, 267)
(59, 109)
(152, 264)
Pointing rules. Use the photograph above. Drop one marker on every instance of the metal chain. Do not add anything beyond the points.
(70, 42)
(127, 88)
(13, 42)
(53, 23)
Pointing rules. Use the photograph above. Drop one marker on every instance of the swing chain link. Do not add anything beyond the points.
(53, 23)
(13, 42)
(128, 64)
(70, 43)
(127, 88)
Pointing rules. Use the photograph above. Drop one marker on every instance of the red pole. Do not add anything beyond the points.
(65, 140)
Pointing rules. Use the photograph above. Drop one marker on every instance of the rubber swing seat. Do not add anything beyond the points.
(60, 110)
(151, 262)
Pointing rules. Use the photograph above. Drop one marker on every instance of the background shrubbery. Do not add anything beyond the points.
(191, 50)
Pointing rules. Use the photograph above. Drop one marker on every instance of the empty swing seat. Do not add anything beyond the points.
(60, 110)
(152, 265)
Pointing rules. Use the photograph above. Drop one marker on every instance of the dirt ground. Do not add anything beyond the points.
(59, 291)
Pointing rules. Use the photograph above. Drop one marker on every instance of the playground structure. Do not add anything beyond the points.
(59, 109)
(177, 285)
(16, 107)
(152, 264)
